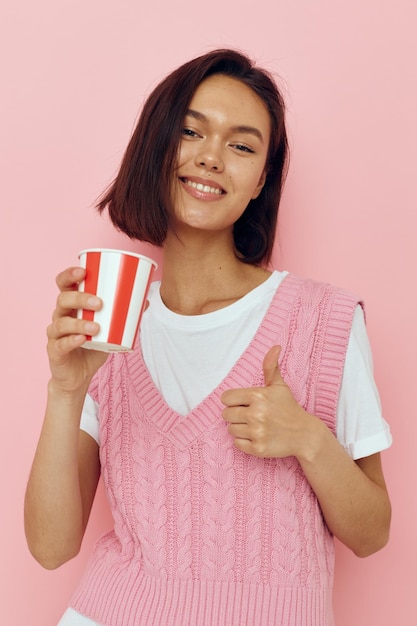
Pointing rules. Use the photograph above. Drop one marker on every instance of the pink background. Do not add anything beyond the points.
(73, 77)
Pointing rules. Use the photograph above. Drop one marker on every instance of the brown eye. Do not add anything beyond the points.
(187, 132)
(243, 148)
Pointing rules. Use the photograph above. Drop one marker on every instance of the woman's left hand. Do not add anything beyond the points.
(267, 421)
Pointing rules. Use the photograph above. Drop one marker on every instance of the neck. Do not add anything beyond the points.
(205, 275)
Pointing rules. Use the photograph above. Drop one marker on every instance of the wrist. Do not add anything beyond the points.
(56, 393)
(313, 439)
(63, 413)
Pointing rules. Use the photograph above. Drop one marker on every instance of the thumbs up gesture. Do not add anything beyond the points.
(267, 421)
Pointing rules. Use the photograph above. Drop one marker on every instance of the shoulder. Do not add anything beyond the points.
(103, 377)
(315, 293)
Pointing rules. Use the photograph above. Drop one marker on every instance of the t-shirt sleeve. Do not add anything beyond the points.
(360, 426)
(89, 418)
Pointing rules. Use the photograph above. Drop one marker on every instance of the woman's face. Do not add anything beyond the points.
(222, 154)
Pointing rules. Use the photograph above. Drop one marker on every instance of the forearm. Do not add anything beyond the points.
(352, 495)
(55, 518)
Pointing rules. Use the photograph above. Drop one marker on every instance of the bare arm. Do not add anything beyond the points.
(268, 422)
(352, 494)
(66, 468)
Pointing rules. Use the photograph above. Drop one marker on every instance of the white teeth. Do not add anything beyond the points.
(202, 187)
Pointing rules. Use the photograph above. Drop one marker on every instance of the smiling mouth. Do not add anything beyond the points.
(201, 187)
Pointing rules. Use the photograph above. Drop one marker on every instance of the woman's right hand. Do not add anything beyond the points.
(72, 367)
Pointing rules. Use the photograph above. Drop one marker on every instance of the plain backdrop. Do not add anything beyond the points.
(74, 74)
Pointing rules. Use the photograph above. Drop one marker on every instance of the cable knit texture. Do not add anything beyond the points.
(205, 535)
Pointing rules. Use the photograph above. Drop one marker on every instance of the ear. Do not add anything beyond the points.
(260, 185)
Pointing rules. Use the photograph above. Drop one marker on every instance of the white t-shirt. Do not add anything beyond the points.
(170, 343)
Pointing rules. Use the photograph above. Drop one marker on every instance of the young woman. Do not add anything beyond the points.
(244, 430)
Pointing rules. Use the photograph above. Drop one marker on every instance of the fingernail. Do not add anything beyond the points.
(90, 327)
(93, 301)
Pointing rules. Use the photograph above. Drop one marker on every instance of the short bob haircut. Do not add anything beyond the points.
(139, 199)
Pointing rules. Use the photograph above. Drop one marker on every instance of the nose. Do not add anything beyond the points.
(209, 158)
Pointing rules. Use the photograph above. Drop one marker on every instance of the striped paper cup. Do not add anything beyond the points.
(121, 279)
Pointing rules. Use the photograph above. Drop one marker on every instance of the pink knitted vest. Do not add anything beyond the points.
(205, 535)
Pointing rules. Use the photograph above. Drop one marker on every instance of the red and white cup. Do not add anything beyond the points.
(121, 279)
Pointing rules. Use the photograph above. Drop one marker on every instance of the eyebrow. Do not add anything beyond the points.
(251, 130)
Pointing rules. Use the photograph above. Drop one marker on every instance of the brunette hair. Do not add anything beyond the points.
(139, 199)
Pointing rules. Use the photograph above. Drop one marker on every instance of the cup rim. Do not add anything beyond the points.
(117, 251)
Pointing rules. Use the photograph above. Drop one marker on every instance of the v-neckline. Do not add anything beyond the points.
(183, 430)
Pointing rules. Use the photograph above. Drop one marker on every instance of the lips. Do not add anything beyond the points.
(203, 186)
